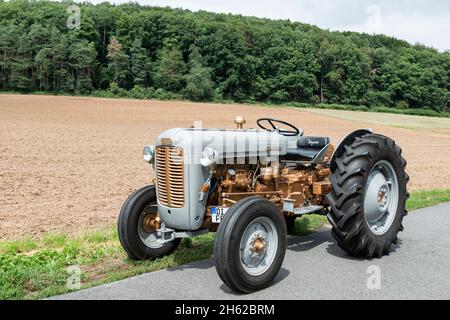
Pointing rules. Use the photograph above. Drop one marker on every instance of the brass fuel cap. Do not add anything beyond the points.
(240, 121)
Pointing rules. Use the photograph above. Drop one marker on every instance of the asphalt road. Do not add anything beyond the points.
(316, 268)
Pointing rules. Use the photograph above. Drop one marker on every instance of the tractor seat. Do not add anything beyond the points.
(307, 149)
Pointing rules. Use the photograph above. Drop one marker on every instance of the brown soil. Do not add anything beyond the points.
(68, 163)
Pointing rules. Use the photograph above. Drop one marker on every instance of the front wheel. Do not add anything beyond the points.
(137, 225)
(250, 245)
(368, 196)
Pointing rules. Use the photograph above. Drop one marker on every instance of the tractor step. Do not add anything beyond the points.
(288, 206)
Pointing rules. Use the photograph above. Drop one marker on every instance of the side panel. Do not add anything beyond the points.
(190, 216)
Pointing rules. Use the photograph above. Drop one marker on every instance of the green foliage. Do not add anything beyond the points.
(423, 199)
(402, 104)
(415, 112)
(139, 92)
(308, 224)
(18, 246)
(140, 64)
(171, 70)
(82, 60)
(20, 273)
(199, 86)
(163, 53)
(115, 91)
(118, 63)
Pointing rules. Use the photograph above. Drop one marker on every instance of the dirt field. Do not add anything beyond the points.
(68, 163)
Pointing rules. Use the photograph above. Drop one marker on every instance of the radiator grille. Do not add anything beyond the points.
(169, 175)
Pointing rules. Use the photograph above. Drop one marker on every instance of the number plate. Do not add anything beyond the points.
(217, 214)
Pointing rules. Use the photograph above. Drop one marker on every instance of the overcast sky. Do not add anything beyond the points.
(417, 21)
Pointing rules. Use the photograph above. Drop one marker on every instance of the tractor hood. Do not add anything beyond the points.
(226, 143)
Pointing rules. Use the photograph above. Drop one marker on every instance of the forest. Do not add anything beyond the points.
(151, 52)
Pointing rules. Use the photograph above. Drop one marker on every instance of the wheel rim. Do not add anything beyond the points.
(147, 232)
(381, 197)
(258, 246)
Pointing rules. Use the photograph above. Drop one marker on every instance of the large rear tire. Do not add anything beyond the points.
(250, 245)
(290, 224)
(137, 237)
(368, 196)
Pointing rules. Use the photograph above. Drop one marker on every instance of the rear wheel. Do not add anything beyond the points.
(137, 224)
(250, 245)
(368, 197)
(290, 224)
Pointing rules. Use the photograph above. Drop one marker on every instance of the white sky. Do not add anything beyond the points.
(416, 21)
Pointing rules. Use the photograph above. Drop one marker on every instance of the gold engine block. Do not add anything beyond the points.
(303, 185)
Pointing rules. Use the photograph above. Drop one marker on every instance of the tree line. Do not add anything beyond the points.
(175, 53)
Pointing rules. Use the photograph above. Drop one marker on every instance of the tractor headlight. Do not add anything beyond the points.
(149, 154)
(209, 157)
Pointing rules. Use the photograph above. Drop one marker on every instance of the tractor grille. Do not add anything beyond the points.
(169, 175)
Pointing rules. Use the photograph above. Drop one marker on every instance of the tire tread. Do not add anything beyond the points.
(346, 214)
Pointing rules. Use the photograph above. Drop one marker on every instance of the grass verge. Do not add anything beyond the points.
(424, 199)
(33, 269)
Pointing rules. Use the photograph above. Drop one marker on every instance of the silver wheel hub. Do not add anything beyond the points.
(258, 246)
(149, 237)
(381, 197)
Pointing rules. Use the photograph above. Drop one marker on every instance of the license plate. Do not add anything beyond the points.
(217, 214)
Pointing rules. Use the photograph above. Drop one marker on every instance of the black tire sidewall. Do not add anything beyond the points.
(350, 174)
(290, 224)
(128, 226)
(229, 237)
(388, 155)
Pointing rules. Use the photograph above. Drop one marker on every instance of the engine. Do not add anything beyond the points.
(304, 186)
(288, 186)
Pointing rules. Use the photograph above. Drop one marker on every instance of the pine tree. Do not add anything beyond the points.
(139, 64)
(8, 50)
(199, 86)
(44, 67)
(82, 59)
(60, 64)
(118, 65)
(22, 65)
(171, 70)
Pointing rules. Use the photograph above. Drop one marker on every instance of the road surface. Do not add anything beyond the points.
(316, 268)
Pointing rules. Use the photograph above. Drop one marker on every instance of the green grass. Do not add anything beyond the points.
(424, 199)
(308, 224)
(425, 112)
(33, 269)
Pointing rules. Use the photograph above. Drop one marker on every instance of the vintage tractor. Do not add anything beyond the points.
(249, 186)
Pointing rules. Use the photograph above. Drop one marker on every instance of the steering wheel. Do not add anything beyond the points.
(290, 131)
